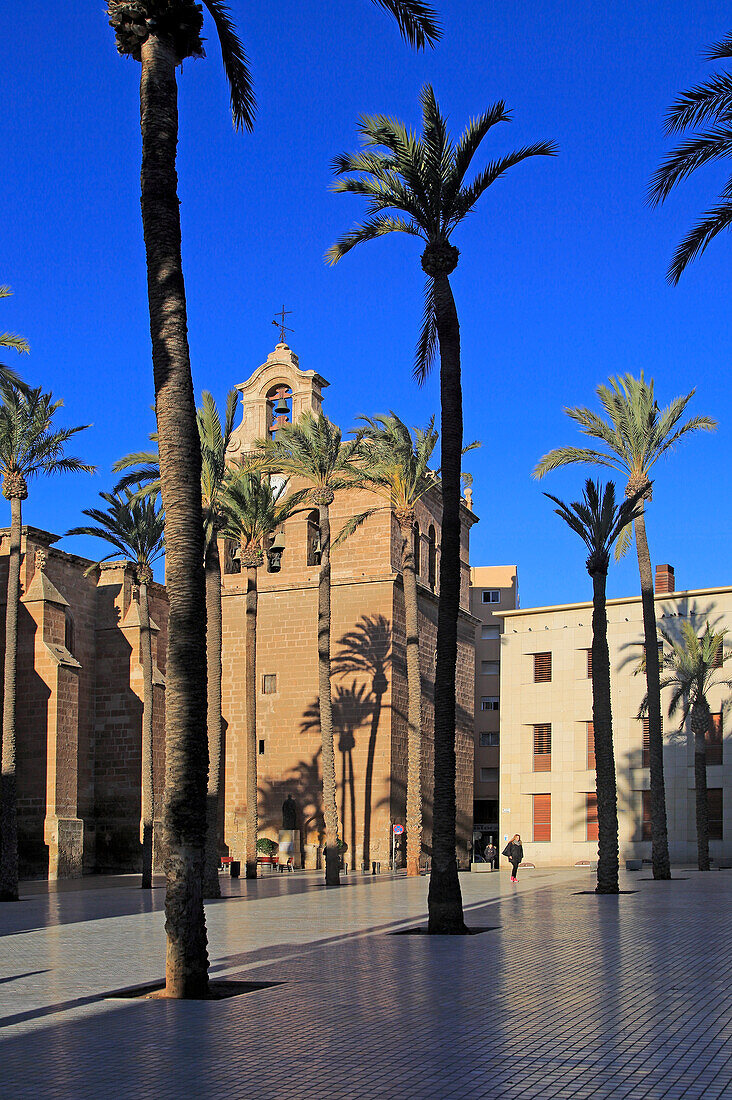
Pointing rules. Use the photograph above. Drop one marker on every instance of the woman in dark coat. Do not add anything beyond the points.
(515, 852)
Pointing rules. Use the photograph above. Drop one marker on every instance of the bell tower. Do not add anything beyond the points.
(277, 393)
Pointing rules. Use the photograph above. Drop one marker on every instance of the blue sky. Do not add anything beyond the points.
(560, 283)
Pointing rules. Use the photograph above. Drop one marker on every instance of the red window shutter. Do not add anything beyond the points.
(714, 811)
(714, 740)
(542, 668)
(646, 832)
(591, 762)
(589, 664)
(543, 748)
(542, 816)
(592, 833)
(647, 742)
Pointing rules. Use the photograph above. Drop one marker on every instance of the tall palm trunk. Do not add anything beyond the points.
(414, 699)
(445, 899)
(607, 798)
(324, 498)
(250, 695)
(186, 749)
(211, 885)
(8, 790)
(700, 721)
(146, 823)
(659, 831)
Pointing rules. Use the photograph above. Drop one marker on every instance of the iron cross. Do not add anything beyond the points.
(281, 324)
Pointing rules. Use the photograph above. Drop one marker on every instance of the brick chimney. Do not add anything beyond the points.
(665, 580)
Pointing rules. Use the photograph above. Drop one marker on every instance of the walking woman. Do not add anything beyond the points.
(515, 852)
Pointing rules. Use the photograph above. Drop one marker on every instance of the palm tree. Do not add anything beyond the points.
(143, 468)
(160, 34)
(634, 437)
(598, 521)
(708, 105)
(397, 466)
(8, 377)
(690, 670)
(313, 451)
(29, 446)
(135, 528)
(416, 185)
(252, 513)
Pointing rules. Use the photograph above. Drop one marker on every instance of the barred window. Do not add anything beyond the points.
(542, 668)
(543, 747)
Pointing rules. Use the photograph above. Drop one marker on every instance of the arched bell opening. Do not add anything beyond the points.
(279, 408)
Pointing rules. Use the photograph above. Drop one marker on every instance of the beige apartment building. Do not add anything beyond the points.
(547, 778)
(493, 588)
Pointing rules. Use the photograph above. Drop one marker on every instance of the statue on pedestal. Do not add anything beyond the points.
(289, 813)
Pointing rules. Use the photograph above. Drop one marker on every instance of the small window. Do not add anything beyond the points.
(647, 742)
(491, 595)
(543, 747)
(416, 547)
(713, 738)
(591, 816)
(714, 812)
(69, 631)
(591, 761)
(489, 740)
(261, 748)
(489, 702)
(542, 668)
(432, 557)
(589, 664)
(489, 775)
(660, 651)
(489, 668)
(490, 633)
(269, 684)
(646, 827)
(542, 817)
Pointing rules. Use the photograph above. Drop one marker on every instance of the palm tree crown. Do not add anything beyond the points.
(313, 449)
(690, 668)
(133, 525)
(598, 520)
(252, 510)
(708, 105)
(28, 444)
(397, 461)
(416, 185)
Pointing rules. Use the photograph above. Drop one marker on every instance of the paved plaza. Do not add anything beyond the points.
(565, 995)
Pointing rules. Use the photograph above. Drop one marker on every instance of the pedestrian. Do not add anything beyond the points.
(515, 852)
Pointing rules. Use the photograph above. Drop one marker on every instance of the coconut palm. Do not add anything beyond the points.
(313, 451)
(252, 512)
(416, 185)
(29, 445)
(690, 670)
(598, 521)
(142, 467)
(635, 435)
(160, 34)
(135, 526)
(8, 377)
(706, 109)
(397, 466)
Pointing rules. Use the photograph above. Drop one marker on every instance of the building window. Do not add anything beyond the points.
(542, 817)
(490, 595)
(713, 738)
(269, 684)
(232, 562)
(69, 631)
(714, 812)
(489, 668)
(490, 633)
(660, 652)
(489, 740)
(542, 668)
(646, 829)
(647, 742)
(589, 664)
(431, 558)
(591, 815)
(489, 775)
(591, 762)
(543, 748)
(489, 702)
(261, 748)
(416, 547)
(313, 539)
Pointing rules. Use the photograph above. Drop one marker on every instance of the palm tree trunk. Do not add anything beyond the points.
(146, 823)
(659, 831)
(414, 703)
(186, 749)
(250, 695)
(330, 805)
(445, 899)
(607, 797)
(211, 885)
(700, 720)
(8, 790)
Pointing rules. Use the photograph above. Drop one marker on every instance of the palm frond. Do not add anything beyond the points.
(351, 526)
(697, 239)
(711, 100)
(424, 355)
(417, 22)
(571, 456)
(368, 231)
(236, 65)
(467, 197)
(720, 49)
(686, 158)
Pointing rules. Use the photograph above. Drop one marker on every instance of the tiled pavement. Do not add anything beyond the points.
(570, 996)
